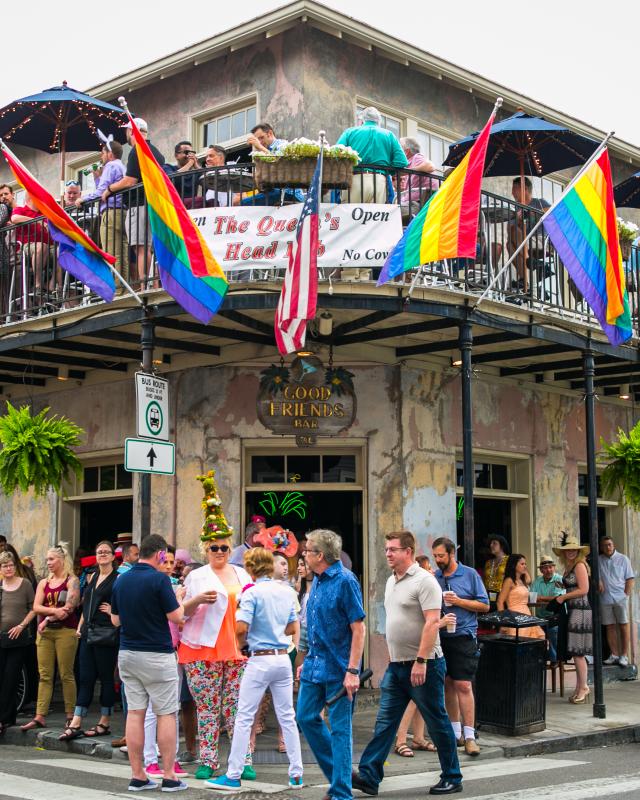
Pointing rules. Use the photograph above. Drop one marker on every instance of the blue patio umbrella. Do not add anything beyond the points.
(627, 193)
(526, 145)
(60, 120)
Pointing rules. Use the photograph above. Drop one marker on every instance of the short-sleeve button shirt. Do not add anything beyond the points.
(267, 608)
(405, 601)
(335, 602)
(467, 584)
(614, 572)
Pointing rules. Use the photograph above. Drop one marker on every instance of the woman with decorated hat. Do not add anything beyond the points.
(579, 628)
(208, 650)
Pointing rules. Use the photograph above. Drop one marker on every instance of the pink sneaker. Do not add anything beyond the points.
(154, 770)
(179, 771)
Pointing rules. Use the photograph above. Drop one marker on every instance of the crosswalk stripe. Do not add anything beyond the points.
(111, 770)
(478, 771)
(581, 790)
(31, 789)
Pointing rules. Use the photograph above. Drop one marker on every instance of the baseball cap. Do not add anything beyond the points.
(141, 124)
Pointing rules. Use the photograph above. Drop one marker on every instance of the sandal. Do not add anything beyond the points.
(282, 748)
(35, 723)
(105, 730)
(426, 745)
(70, 734)
(403, 750)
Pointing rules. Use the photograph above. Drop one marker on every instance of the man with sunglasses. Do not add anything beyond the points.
(143, 603)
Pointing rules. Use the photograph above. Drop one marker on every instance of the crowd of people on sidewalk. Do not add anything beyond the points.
(205, 642)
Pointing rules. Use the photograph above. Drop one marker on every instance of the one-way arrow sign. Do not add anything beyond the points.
(140, 455)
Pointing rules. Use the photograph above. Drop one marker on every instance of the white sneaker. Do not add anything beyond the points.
(623, 661)
(611, 660)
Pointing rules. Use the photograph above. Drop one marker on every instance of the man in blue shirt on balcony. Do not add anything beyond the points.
(335, 630)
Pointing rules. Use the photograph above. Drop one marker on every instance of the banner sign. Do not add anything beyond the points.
(261, 237)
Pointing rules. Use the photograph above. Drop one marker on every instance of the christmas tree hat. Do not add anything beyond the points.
(215, 523)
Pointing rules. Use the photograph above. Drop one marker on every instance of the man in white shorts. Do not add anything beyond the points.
(616, 585)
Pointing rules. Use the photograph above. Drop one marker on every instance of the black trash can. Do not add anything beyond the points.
(511, 678)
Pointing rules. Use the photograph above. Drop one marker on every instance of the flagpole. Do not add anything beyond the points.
(522, 244)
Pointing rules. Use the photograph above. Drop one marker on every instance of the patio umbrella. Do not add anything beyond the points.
(627, 193)
(526, 145)
(60, 120)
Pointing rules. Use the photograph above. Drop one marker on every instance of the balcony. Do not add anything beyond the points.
(33, 286)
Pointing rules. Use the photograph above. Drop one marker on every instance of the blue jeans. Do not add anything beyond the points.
(333, 750)
(396, 691)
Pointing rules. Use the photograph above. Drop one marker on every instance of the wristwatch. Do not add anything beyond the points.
(420, 660)
(353, 670)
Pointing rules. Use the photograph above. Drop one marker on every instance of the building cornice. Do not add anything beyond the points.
(344, 27)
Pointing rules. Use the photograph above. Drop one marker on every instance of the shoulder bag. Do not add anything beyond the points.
(100, 635)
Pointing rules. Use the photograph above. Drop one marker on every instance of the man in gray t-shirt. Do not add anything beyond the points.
(413, 602)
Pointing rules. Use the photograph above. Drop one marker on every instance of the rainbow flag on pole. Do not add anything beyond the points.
(77, 253)
(447, 226)
(188, 270)
(583, 229)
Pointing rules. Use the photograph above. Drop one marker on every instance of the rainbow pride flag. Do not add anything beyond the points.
(446, 226)
(188, 270)
(584, 231)
(77, 253)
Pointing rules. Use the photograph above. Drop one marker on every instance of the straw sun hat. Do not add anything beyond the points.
(568, 541)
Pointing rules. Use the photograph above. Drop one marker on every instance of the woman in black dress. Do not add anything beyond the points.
(579, 627)
(98, 647)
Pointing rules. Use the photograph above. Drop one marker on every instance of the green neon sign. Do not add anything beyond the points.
(284, 506)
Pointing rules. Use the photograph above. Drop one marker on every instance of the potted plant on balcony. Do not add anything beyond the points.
(622, 473)
(36, 451)
(294, 163)
(627, 233)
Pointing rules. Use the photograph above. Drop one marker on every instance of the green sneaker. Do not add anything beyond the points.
(248, 773)
(204, 772)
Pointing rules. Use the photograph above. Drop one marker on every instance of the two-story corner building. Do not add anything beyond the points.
(381, 445)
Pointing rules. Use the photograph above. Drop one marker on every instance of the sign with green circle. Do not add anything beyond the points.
(154, 418)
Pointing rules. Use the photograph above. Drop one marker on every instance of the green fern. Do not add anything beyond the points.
(622, 473)
(36, 451)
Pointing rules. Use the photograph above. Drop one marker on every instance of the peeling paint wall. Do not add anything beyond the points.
(411, 421)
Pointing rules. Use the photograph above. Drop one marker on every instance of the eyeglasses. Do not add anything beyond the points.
(222, 548)
(310, 551)
(104, 552)
(8, 564)
(393, 549)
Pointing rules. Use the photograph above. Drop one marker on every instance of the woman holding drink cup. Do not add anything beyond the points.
(514, 595)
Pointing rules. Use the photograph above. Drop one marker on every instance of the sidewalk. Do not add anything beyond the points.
(569, 727)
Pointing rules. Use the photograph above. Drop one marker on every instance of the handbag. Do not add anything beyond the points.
(101, 635)
(6, 642)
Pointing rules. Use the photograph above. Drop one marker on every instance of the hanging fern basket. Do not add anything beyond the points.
(622, 473)
(36, 451)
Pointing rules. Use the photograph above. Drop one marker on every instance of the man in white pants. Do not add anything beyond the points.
(265, 617)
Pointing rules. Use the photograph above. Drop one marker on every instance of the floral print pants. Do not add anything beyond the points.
(214, 686)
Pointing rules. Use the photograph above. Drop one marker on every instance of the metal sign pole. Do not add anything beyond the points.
(146, 342)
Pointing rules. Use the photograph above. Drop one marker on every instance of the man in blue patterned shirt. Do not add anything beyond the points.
(335, 630)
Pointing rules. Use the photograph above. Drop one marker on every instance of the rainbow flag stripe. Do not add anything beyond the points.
(447, 226)
(188, 270)
(77, 253)
(583, 229)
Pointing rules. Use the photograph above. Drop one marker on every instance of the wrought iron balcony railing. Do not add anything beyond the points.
(33, 284)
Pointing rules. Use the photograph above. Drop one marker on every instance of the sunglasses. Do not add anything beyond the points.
(222, 548)
(72, 183)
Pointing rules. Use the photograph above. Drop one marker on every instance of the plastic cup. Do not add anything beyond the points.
(445, 597)
(533, 597)
(451, 626)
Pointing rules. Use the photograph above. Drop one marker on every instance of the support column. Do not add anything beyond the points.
(466, 344)
(146, 342)
(599, 707)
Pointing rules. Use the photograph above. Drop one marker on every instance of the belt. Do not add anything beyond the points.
(272, 652)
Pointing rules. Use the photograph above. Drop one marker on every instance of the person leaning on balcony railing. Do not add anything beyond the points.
(136, 224)
(34, 239)
(415, 190)
(215, 157)
(520, 226)
(113, 236)
(376, 147)
(186, 184)
(6, 209)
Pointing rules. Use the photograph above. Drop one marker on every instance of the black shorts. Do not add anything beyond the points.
(461, 654)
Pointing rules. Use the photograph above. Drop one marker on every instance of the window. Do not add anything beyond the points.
(227, 127)
(389, 122)
(547, 188)
(583, 490)
(433, 146)
(303, 468)
(105, 478)
(487, 475)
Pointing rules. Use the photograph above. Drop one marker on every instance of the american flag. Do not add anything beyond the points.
(299, 294)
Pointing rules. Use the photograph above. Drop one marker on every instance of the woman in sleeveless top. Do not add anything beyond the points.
(57, 598)
(96, 659)
(579, 621)
(514, 596)
(494, 568)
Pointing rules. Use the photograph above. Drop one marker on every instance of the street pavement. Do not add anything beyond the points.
(606, 772)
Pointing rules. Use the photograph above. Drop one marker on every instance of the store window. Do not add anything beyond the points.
(106, 478)
(302, 468)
